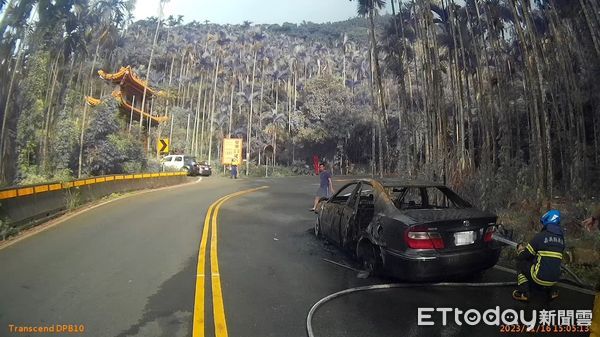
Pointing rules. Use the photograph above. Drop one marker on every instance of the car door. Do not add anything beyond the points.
(325, 217)
(327, 214)
(347, 219)
(178, 163)
(337, 204)
(167, 163)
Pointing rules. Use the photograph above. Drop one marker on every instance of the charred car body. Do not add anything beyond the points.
(409, 230)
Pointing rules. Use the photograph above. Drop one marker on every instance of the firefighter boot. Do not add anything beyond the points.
(522, 292)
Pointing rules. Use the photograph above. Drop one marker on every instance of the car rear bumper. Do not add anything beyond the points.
(417, 267)
(205, 172)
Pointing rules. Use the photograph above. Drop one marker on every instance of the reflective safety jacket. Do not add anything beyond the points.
(545, 251)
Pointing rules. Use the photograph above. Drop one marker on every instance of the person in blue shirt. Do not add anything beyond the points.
(234, 171)
(325, 185)
(538, 262)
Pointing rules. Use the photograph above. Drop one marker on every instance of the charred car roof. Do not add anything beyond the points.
(390, 182)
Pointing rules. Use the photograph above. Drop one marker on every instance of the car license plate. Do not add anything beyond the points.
(464, 238)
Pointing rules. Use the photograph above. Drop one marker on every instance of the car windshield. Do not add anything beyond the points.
(425, 197)
(188, 160)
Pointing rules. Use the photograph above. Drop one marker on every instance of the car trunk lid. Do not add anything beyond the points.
(458, 229)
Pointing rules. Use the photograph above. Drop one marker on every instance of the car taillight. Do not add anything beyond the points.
(424, 240)
(487, 237)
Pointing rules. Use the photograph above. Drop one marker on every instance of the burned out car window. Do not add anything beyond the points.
(438, 199)
(366, 193)
(344, 194)
(425, 197)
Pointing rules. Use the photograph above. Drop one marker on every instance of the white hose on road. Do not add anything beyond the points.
(309, 328)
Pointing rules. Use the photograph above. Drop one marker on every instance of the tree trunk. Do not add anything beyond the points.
(7, 107)
(172, 117)
(150, 60)
(131, 114)
(212, 113)
(203, 122)
(251, 112)
(48, 115)
(187, 134)
(83, 120)
(197, 118)
(230, 110)
(377, 67)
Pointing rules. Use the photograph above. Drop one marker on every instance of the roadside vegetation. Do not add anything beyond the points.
(497, 98)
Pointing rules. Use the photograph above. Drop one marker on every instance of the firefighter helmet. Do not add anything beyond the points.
(552, 217)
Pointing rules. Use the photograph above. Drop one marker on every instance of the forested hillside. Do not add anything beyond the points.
(497, 97)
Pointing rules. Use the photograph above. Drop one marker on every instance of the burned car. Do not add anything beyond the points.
(408, 230)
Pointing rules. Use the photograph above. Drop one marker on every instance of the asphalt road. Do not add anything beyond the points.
(129, 268)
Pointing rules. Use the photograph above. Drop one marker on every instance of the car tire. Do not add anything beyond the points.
(369, 258)
(317, 228)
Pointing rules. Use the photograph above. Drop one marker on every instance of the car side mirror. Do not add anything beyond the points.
(323, 199)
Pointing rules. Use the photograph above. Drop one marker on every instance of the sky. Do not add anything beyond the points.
(256, 11)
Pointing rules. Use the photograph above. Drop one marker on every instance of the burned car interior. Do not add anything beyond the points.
(366, 207)
(410, 197)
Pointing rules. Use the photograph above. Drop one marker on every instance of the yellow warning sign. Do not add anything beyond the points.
(163, 145)
(232, 151)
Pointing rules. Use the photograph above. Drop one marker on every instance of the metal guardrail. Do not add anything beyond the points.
(15, 192)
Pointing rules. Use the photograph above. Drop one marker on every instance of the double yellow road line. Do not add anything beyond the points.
(210, 224)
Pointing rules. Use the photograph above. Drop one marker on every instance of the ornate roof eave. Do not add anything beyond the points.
(91, 101)
(127, 75)
(126, 106)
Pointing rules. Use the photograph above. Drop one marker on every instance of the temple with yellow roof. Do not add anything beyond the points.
(130, 94)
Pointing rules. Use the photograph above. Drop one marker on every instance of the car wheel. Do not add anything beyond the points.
(318, 232)
(369, 258)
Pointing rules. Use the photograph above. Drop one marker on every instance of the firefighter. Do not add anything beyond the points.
(538, 262)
